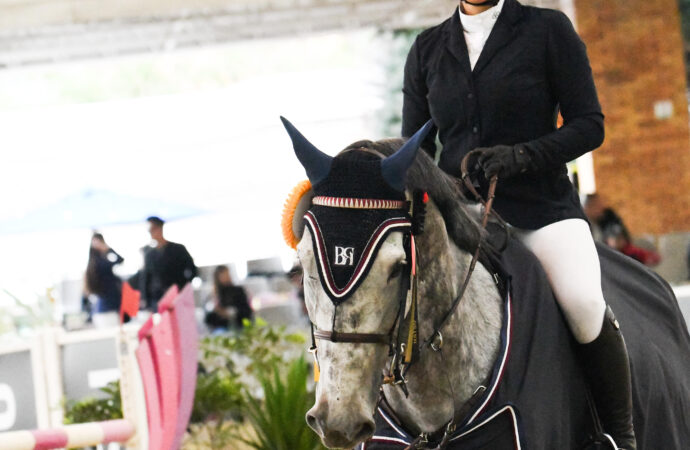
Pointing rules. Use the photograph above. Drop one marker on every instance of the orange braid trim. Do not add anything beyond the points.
(289, 212)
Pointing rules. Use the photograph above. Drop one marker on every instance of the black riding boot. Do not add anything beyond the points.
(607, 369)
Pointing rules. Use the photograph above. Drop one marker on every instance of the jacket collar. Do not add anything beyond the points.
(502, 33)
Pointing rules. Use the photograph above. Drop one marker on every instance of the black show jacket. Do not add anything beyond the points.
(532, 65)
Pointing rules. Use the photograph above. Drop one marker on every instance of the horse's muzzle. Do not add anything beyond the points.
(344, 431)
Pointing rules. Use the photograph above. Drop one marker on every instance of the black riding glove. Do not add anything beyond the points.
(503, 160)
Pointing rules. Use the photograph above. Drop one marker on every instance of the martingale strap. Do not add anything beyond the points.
(435, 340)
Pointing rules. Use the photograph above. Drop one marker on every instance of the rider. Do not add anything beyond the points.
(493, 77)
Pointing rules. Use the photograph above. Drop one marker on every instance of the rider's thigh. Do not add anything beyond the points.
(567, 252)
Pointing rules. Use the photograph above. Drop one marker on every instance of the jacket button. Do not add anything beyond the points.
(475, 129)
(470, 95)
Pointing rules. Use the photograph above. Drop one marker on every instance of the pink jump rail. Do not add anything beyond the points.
(183, 325)
(167, 358)
(171, 348)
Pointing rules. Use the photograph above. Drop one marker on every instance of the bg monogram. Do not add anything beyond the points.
(344, 256)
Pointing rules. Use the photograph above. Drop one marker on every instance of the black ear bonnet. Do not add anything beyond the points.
(359, 199)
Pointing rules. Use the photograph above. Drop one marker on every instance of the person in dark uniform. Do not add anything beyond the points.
(230, 306)
(608, 227)
(102, 284)
(165, 264)
(494, 77)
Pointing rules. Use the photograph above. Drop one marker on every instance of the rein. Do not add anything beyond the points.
(435, 341)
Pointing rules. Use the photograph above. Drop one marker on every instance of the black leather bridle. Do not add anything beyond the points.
(401, 352)
(415, 210)
(396, 351)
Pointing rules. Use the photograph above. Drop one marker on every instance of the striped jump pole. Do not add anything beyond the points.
(69, 436)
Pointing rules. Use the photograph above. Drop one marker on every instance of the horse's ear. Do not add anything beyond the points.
(315, 162)
(394, 168)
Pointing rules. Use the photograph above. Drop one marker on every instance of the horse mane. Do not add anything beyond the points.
(462, 228)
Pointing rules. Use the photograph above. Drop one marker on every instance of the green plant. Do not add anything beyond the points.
(230, 369)
(217, 397)
(95, 410)
(253, 351)
(278, 420)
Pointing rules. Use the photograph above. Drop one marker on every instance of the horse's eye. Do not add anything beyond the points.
(397, 269)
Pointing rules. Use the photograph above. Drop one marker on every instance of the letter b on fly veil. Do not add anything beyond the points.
(344, 256)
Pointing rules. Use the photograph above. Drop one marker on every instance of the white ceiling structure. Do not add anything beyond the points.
(45, 31)
(59, 147)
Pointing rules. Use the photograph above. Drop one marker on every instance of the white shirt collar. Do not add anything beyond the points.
(481, 21)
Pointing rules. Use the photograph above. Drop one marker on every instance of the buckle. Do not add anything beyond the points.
(437, 342)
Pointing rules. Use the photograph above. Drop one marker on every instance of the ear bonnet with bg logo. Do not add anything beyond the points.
(359, 198)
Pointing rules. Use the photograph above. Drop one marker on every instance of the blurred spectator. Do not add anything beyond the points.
(229, 306)
(165, 264)
(103, 288)
(608, 227)
(603, 220)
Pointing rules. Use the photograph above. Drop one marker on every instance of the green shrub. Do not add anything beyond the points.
(217, 397)
(231, 370)
(278, 419)
(96, 410)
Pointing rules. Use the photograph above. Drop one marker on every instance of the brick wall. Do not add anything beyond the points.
(643, 168)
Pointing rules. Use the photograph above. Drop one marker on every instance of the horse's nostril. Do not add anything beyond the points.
(366, 431)
(313, 423)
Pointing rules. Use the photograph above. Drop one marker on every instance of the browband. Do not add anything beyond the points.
(358, 203)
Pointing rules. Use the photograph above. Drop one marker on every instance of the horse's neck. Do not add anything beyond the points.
(471, 336)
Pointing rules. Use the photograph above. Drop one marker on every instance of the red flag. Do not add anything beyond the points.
(130, 301)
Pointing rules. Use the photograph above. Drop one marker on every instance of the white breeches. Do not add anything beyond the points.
(566, 251)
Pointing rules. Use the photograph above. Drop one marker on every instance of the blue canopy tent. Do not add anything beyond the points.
(94, 209)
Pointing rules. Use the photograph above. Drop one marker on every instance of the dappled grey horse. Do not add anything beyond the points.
(413, 352)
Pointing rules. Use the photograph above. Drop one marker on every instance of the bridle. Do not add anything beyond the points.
(414, 209)
(408, 275)
(404, 354)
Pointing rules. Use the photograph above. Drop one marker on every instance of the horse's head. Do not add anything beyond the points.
(355, 252)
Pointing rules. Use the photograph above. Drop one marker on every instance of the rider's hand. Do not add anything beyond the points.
(503, 160)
